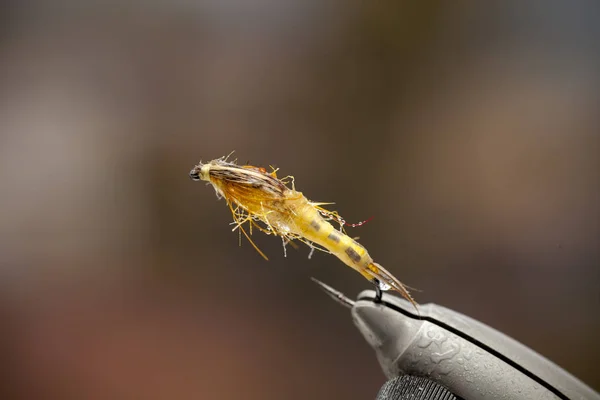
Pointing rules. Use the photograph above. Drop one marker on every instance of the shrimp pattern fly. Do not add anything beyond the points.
(260, 200)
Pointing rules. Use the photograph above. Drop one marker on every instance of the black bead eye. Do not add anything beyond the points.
(194, 175)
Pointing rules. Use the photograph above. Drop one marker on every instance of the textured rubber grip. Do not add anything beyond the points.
(414, 388)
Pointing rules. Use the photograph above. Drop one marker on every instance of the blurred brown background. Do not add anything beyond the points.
(469, 130)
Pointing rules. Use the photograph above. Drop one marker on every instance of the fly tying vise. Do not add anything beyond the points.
(266, 203)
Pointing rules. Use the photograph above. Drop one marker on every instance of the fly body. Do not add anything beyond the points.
(260, 200)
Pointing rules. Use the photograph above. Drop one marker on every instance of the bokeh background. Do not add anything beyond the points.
(468, 130)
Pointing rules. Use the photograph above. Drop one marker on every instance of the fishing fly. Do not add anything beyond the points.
(260, 200)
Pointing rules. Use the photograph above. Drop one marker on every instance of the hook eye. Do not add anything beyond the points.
(194, 175)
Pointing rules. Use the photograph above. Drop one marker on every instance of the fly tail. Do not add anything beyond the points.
(376, 271)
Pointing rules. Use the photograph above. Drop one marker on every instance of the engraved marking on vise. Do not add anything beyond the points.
(445, 348)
